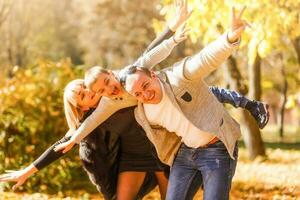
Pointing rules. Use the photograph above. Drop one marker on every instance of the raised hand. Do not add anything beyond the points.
(181, 34)
(65, 146)
(238, 25)
(182, 14)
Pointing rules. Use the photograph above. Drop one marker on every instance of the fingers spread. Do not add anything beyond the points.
(180, 3)
(190, 13)
(10, 171)
(233, 13)
(187, 30)
(17, 185)
(241, 12)
(66, 150)
(182, 27)
(8, 178)
(247, 24)
(176, 3)
(5, 176)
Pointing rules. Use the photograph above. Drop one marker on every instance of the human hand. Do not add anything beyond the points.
(237, 26)
(182, 14)
(65, 146)
(181, 34)
(19, 176)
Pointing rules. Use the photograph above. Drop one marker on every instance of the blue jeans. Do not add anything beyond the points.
(211, 167)
(229, 96)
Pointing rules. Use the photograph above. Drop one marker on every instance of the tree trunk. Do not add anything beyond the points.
(274, 111)
(254, 140)
(234, 77)
(296, 44)
(4, 11)
(254, 79)
(282, 109)
(251, 134)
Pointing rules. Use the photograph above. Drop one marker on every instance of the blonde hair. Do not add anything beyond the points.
(73, 112)
(92, 74)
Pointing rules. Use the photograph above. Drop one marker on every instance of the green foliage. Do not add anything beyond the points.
(275, 26)
(32, 118)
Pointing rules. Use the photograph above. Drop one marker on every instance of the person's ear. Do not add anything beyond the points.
(153, 74)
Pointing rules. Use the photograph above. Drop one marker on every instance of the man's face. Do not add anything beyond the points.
(107, 85)
(145, 88)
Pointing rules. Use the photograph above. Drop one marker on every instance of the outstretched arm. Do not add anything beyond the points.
(214, 54)
(229, 96)
(162, 51)
(182, 14)
(162, 46)
(104, 110)
(19, 176)
(257, 109)
(165, 34)
(48, 157)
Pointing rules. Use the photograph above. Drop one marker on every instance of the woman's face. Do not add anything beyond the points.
(87, 99)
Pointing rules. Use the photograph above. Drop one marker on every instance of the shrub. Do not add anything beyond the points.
(32, 118)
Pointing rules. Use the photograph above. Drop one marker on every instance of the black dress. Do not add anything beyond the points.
(136, 151)
(117, 145)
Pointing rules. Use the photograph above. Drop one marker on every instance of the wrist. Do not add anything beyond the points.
(73, 140)
(230, 39)
(31, 169)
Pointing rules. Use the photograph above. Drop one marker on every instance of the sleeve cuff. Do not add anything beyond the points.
(170, 43)
(75, 140)
(168, 30)
(229, 44)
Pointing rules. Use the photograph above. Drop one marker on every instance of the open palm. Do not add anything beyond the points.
(19, 176)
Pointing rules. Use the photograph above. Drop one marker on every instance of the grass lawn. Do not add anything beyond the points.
(275, 177)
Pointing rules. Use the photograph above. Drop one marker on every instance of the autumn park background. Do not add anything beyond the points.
(45, 44)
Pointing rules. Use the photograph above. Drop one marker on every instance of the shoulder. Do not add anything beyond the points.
(175, 71)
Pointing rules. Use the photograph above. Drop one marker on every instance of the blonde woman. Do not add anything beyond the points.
(101, 152)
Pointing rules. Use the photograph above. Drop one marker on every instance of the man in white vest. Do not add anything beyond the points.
(190, 128)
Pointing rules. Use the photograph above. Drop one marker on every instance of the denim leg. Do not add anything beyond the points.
(229, 96)
(195, 185)
(217, 170)
(184, 176)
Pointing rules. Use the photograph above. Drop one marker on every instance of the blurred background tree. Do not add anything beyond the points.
(118, 32)
(32, 118)
(45, 44)
(274, 36)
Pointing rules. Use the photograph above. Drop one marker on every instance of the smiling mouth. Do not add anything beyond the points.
(115, 92)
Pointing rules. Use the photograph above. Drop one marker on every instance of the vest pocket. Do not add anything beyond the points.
(184, 97)
(187, 97)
